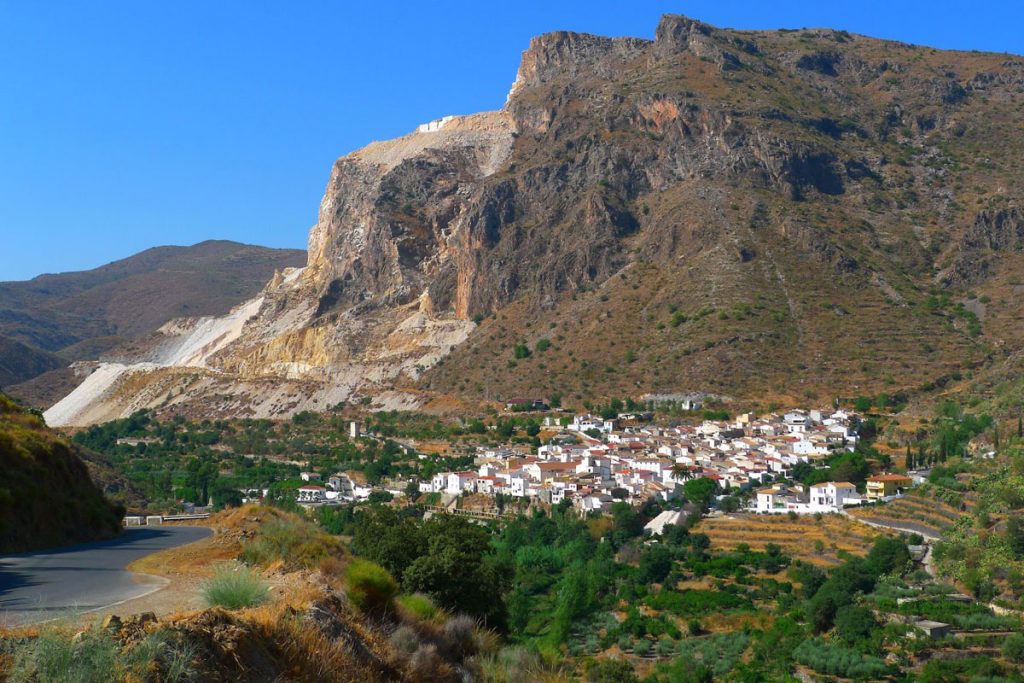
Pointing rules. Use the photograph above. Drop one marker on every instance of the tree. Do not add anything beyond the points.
(656, 563)
(225, 496)
(626, 524)
(1015, 534)
(700, 491)
(392, 541)
(908, 460)
(855, 623)
(887, 555)
(455, 569)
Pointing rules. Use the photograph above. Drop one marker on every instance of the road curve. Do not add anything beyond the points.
(50, 584)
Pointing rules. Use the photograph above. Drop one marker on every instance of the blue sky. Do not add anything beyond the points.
(126, 125)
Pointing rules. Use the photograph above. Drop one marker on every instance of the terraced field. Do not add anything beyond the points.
(913, 513)
(818, 541)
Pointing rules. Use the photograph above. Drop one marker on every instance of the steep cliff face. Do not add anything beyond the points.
(736, 211)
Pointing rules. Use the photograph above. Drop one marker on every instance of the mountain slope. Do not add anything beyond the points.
(772, 215)
(19, 362)
(47, 498)
(83, 315)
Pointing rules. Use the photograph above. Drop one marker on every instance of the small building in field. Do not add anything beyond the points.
(932, 629)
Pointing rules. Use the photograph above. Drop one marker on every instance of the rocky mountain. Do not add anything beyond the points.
(47, 497)
(53, 320)
(771, 215)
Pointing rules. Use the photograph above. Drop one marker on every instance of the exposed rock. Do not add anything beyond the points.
(993, 230)
(709, 167)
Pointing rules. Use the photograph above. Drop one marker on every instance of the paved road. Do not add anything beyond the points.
(46, 585)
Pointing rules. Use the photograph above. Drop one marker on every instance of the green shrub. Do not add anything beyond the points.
(370, 587)
(418, 605)
(838, 661)
(1013, 648)
(293, 541)
(53, 657)
(235, 589)
(96, 657)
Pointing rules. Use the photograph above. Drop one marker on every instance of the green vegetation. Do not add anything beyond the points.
(370, 587)
(418, 605)
(291, 541)
(47, 497)
(234, 589)
(216, 460)
(96, 657)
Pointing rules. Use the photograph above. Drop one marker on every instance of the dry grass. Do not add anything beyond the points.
(797, 537)
(930, 513)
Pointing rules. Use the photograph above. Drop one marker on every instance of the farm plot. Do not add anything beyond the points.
(818, 541)
(911, 512)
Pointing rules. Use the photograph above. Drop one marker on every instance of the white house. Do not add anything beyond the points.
(827, 497)
(312, 493)
(833, 496)
(582, 423)
(460, 481)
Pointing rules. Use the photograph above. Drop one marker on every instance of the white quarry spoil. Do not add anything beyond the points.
(95, 386)
(192, 349)
(209, 336)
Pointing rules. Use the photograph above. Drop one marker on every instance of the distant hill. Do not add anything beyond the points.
(47, 497)
(51, 320)
(18, 360)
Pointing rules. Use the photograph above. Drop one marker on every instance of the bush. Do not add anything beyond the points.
(610, 671)
(292, 541)
(234, 589)
(1013, 648)
(96, 657)
(53, 657)
(512, 665)
(460, 632)
(370, 587)
(332, 568)
(838, 661)
(418, 606)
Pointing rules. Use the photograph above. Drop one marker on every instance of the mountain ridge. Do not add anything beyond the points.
(54, 319)
(768, 214)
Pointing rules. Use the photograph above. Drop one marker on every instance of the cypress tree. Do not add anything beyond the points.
(908, 462)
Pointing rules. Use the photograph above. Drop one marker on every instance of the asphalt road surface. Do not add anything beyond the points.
(50, 584)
